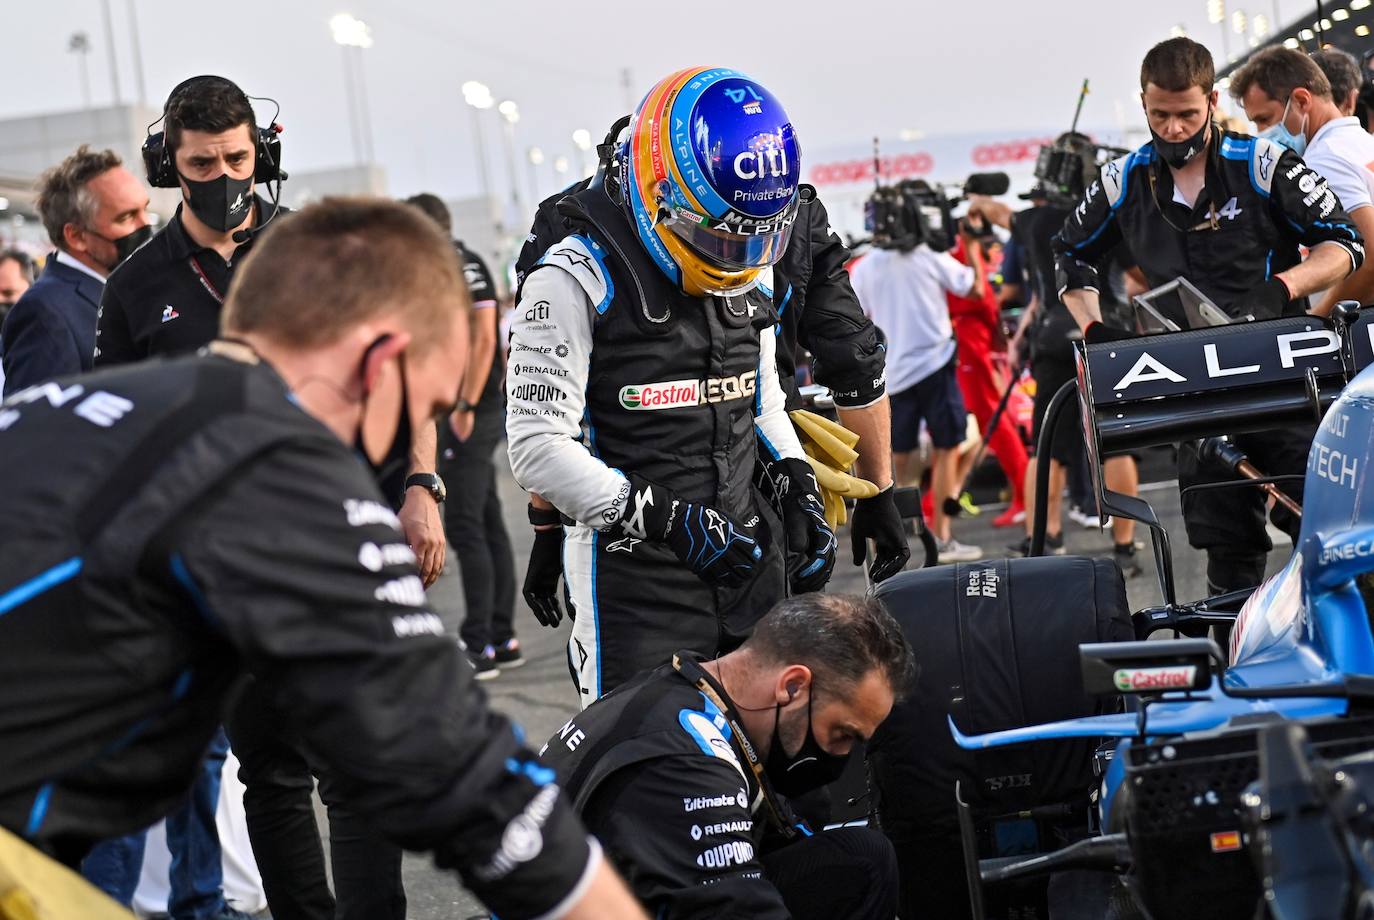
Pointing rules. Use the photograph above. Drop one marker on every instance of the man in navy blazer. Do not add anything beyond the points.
(95, 213)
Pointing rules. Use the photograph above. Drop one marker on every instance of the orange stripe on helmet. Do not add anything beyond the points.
(651, 134)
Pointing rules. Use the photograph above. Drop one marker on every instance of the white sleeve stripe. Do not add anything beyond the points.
(594, 859)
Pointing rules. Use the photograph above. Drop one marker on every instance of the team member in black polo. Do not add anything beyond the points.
(166, 299)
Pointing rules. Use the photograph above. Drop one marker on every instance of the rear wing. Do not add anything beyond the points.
(1162, 389)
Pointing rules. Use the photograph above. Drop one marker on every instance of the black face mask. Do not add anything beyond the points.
(1179, 153)
(221, 203)
(810, 768)
(126, 244)
(390, 471)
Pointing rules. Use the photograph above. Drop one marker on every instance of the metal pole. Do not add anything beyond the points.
(509, 136)
(110, 47)
(364, 110)
(352, 97)
(138, 53)
(480, 148)
(85, 80)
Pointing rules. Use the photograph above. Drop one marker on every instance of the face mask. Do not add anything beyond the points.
(126, 244)
(1178, 153)
(810, 768)
(1278, 132)
(390, 469)
(221, 203)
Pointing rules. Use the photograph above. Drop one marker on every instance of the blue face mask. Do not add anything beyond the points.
(1278, 132)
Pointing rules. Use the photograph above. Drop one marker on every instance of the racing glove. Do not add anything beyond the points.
(810, 541)
(718, 550)
(542, 574)
(877, 518)
(1098, 332)
(1268, 299)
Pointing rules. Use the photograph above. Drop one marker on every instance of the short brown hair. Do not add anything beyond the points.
(1279, 71)
(1176, 64)
(1341, 69)
(840, 637)
(434, 206)
(317, 273)
(63, 197)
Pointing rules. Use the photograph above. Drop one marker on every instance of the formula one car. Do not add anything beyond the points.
(1170, 819)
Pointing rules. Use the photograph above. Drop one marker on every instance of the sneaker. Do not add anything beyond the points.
(952, 550)
(1014, 515)
(1087, 519)
(1054, 546)
(1124, 554)
(966, 503)
(507, 655)
(484, 662)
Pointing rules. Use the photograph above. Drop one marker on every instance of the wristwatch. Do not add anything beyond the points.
(430, 482)
(462, 405)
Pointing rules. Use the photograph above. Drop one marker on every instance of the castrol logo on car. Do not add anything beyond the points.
(677, 394)
(1139, 680)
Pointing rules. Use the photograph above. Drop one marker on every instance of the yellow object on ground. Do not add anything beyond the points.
(35, 887)
(830, 448)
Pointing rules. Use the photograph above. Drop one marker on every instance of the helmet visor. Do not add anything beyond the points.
(731, 247)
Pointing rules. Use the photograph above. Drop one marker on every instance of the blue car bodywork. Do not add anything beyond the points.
(1306, 625)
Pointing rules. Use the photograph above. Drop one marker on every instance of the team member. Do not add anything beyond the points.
(96, 214)
(16, 276)
(902, 285)
(819, 312)
(1279, 88)
(473, 522)
(1228, 212)
(646, 355)
(679, 774)
(129, 620)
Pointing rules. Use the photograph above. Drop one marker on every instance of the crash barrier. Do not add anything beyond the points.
(34, 887)
(996, 643)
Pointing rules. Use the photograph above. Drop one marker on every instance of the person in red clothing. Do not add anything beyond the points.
(976, 322)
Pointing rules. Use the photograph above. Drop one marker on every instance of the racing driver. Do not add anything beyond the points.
(642, 386)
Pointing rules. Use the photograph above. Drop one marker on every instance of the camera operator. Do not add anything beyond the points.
(1279, 88)
(902, 285)
(220, 516)
(1228, 212)
(681, 773)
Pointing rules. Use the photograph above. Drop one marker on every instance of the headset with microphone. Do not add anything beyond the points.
(161, 171)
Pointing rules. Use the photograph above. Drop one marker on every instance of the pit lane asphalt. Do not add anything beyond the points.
(539, 695)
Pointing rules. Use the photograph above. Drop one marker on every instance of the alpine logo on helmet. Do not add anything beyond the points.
(710, 174)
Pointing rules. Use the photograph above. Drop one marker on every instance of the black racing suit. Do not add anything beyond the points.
(169, 527)
(613, 370)
(817, 311)
(658, 773)
(1259, 204)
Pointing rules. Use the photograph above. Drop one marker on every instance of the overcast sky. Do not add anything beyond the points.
(844, 70)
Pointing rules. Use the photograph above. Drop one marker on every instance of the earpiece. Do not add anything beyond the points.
(157, 158)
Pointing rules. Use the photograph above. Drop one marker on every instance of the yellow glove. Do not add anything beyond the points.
(829, 447)
(34, 887)
(834, 444)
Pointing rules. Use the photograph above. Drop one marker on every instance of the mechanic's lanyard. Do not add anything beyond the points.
(695, 673)
(1211, 223)
(205, 281)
